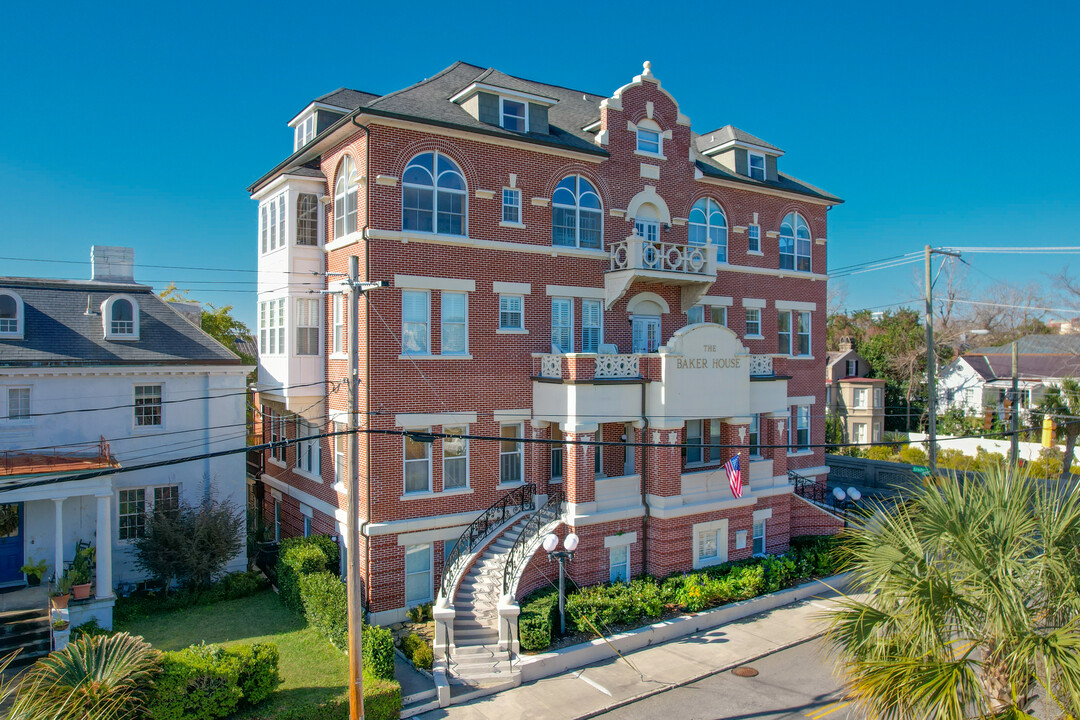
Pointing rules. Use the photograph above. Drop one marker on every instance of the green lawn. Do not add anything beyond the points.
(313, 669)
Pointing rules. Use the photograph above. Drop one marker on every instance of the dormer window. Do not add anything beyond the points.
(120, 316)
(513, 115)
(649, 138)
(11, 316)
(305, 132)
(755, 166)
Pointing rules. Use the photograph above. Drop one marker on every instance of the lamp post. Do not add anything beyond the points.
(551, 541)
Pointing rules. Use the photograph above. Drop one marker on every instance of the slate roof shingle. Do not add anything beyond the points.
(59, 332)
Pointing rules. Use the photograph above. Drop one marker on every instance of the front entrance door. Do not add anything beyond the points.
(11, 543)
(646, 331)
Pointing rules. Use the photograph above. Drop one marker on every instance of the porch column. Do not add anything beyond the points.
(59, 539)
(104, 547)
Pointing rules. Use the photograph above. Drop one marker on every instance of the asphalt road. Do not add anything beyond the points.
(796, 683)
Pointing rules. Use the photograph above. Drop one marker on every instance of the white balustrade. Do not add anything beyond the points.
(551, 366)
(639, 254)
(761, 365)
(615, 366)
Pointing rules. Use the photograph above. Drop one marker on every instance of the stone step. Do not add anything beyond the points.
(463, 691)
(476, 637)
(28, 636)
(489, 651)
(16, 616)
(491, 671)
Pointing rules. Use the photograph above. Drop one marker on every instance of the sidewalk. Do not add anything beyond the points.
(589, 691)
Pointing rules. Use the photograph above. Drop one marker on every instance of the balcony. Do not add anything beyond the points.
(693, 267)
(590, 367)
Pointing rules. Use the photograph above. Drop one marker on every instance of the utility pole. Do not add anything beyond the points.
(931, 360)
(1014, 445)
(352, 521)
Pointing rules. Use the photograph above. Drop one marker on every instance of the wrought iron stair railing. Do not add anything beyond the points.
(512, 503)
(517, 556)
(808, 489)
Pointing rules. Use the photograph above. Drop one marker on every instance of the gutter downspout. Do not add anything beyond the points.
(644, 494)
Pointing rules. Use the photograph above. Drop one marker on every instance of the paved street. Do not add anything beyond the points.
(792, 684)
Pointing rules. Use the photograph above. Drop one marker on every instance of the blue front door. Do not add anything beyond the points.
(11, 544)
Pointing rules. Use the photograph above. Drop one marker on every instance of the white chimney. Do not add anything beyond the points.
(112, 264)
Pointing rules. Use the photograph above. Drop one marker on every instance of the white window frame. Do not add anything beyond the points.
(405, 462)
(753, 324)
(644, 139)
(341, 450)
(693, 442)
(463, 458)
(426, 350)
(763, 537)
(860, 398)
(276, 422)
(272, 219)
(708, 226)
(851, 368)
(559, 451)
(108, 327)
(307, 319)
(695, 314)
(750, 157)
(517, 432)
(648, 229)
(429, 572)
(802, 322)
(21, 419)
(589, 325)
(444, 323)
(135, 406)
(780, 333)
(753, 239)
(563, 324)
(312, 223)
(511, 200)
(579, 191)
(436, 191)
(753, 436)
(13, 328)
(879, 397)
(645, 322)
(305, 132)
(524, 117)
(308, 452)
(876, 432)
(338, 311)
(719, 531)
(859, 433)
(504, 302)
(798, 422)
(614, 565)
(792, 231)
(149, 504)
(346, 206)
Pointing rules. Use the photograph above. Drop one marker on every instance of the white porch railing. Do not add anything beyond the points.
(636, 253)
(760, 365)
(551, 366)
(616, 366)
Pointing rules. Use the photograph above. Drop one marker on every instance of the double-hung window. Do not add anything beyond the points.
(556, 453)
(417, 574)
(511, 206)
(576, 214)
(794, 243)
(879, 397)
(345, 199)
(511, 456)
(148, 405)
(710, 543)
(619, 560)
(851, 368)
(513, 115)
(562, 325)
(307, 326)
(307, 451)
(272, 218)
(455, 458)
(715, 441)
(802, 333)
(693, 450)
(755, 166)
(18, 404)
(648, 141)
(858, 432)
(341, 444)
(759, 537)
(305, 131)
(783, 333)
(417, 464)
(277, 434)
(415, 311)
(132, 513)
(754, 436)
(695, 315)
(799, 428)
(861, 398)
(272, 327)
(455, 325)
(753, 238)
(592, 325)
(307, 219)
(718, 315)
(511, 312)
(753, 321)
(339, 323)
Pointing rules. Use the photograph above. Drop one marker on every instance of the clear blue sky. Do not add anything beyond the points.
(142, 124)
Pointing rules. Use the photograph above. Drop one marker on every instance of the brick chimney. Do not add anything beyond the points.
(112, 264)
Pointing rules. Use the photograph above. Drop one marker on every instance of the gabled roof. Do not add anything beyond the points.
(59, 332)
(730, 133)
(346, 99)
(1036, 345)
(1049, 367)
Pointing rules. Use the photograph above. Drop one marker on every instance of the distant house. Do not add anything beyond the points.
(98, 375)
(857, 399)
(979, 381)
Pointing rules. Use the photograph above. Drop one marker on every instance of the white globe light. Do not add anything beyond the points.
(570, 543)
(551, 542)
(854, 494)
(838, 493)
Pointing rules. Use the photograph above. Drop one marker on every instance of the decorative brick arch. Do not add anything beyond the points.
(587, 172)
(430, 144)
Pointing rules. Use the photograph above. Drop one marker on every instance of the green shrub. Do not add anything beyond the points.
(423, 657)
(197, 683)
(879, 452)
(779, 572)
(234, 586)
(324, 542)
(594, 608)
(538, 619)
(326, 606)
(913, 455)
(816, 555)
(409, 643)
(378, 652)
(258, 677)
(294, 561)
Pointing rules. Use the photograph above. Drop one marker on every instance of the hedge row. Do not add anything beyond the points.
(306, 585)
(230, 587)
(595, 609)
(203, 682)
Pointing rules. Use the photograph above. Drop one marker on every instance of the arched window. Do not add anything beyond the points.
(307, 219)
(794, 243)
(345, 199)
(709, 225)
(433, 195)
(577, 214)
(11, 316)
(120, 316)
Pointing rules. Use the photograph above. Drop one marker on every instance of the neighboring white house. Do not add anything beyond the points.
(979, 381)
(103, 374)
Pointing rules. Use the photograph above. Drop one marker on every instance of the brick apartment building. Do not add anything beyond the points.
(562, 266)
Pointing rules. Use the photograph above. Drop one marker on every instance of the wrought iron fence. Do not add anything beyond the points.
(807, 488)
(516, 557)
(516, 501)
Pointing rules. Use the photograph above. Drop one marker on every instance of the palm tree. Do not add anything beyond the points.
(1062, 404)
(93, 678)
(965, 601)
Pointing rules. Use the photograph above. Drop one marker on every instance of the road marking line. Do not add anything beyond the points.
(830, 709)
(598, 686)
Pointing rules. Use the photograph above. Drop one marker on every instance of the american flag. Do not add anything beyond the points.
(734, 476)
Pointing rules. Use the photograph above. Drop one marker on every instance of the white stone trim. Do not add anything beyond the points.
(485, 194)
(647, 296)
(765, 514)
(755, 303)
(305, 510)
(574, 291)
(388, 180)
(429, 419)
(511, 288)
(396, 527)
(504, 416)
(796, 305)
(802, 400)
(619, 540)
(429, 536)
(540, 202)
(720, 527)
(280, 487)
(422, 282)
(650, 172)
(716, 300)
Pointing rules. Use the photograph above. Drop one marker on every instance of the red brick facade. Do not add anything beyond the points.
(497, 376)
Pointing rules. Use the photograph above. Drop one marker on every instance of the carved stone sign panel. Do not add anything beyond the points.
(706, 373)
